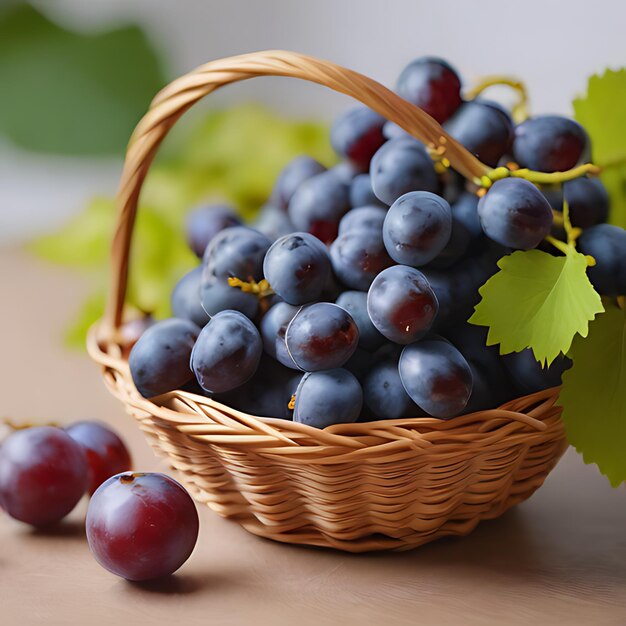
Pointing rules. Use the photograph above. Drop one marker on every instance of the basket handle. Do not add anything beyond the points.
(170, 104)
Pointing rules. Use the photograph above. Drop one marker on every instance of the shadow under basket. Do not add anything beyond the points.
(390, 484)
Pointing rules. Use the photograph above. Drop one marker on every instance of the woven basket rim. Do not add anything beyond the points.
(524, 415)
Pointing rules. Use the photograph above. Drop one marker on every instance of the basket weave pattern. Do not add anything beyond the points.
(392, 484)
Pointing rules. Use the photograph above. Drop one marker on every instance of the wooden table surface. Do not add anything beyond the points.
(559, 558)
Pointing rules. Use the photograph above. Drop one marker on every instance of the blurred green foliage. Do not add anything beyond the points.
(70, 93)
(232, 155)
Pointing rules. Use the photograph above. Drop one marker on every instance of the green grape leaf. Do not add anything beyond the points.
(72, 93)
(537, 301)
(594, 395)
(602, 111)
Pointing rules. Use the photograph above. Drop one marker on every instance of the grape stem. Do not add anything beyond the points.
(262, 289)
(9, 423)
(538, 178)
(519, 112)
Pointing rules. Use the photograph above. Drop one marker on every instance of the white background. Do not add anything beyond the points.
(554, 45)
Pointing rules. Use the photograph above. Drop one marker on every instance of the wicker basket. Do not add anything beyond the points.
(392, 484)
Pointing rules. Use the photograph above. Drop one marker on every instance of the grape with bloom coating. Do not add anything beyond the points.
(141, 526)
(355, 302)
(205, 222)
(515, 213)
(402, 165)
(436, 376)
(484, 128)
(607, 245)
(43, 475)
(321, 336)
(235, 252)
(273, 327)
(328, 397)
(318, 205)
(362, 194)
(185, 300)
(159, 361)
(357, 134)
(549, 143)
(401, 304)
(417, 228)
(297, 267)
(227, 352)
(105, 452)
(364, 217)
(433, 85)
(358, 256)
(384, 394)
(292, 176)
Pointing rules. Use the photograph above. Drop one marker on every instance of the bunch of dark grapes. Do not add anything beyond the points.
(348, 298)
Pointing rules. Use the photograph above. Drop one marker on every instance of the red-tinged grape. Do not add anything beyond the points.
(401, 304)
(43, 475)
(549, 143)
(141, 526)
(357, 134)
(205, 222)
(433, 85)
(106, 453)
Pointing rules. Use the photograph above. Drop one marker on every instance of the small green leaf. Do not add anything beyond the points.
(602, 111)
(594, 395)
(537, 301)
(71, 93)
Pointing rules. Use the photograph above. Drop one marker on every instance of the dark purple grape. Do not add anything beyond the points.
(384, 394)
(159, 361)
(402, 165)
(360, 363)
(141, 526)
(321, 336)
(266, 394)
(527, 374)
(358, 256)
(549, 143)
(43, 475)
(217, 296)
(292, 176)
(273, 222)
(515, 213)
(186, 302)
(417, 228)
(436, 376)
(297, 267)
(607, 245)
(273, 328)
(318, 205)
(433, 85)
(205, 222)
(401, 304)
(355, 302)
(465, 210)
(364, 217)
(105, 451)
(227, 352)
(357, 134)
(484, 128)
(587, 199)
(238, 252)
(328, 397)
(491, 384)
(362, 194)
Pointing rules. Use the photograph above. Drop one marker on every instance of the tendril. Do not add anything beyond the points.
(519, 112)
